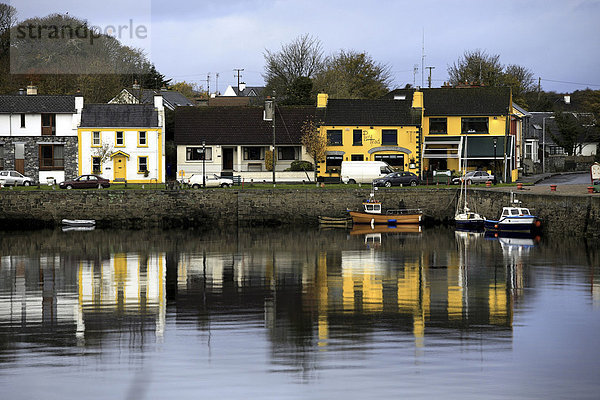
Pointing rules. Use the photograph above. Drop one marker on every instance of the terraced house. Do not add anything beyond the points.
(371, 130)
(475, 123)
(38, 134)
(123, 142)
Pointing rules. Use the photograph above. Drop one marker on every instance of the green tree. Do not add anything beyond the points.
(351, 74)
(476, 66)
(300, 92)
(520, 80)
(573, 129)
(189, 90)
(303, 57)
(314, 142)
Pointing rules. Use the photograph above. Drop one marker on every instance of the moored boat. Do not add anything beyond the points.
(514, 218)
(79, 222)
(374, 214)
(464, 218)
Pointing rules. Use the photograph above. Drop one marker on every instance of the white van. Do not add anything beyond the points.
(363, 171)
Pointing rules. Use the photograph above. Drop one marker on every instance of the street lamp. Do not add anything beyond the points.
(495, 140)
(204, 164)
(544, 143)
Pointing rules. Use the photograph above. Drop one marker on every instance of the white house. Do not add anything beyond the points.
(38, 134)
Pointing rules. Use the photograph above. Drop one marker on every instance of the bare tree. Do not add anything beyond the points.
(303, 57)
(478, 67)
(314, 142)
(103, 153)
(8, 17)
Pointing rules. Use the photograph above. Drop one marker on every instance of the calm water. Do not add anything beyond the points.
(304, 314)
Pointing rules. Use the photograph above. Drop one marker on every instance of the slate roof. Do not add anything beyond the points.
(239, 125)
(119, 116)
(370, 112)
(34, 104)
(171, 98)
(248, 91)
(477, 101)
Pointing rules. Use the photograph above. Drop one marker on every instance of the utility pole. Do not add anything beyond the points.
(423, 60)
(217, 89)
(208, 83)
(429, 79)
(239, 75)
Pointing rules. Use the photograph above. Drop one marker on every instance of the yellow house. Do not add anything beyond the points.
(371, 130)
(123, 142)
(472, 124)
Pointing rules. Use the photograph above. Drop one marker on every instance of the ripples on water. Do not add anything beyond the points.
(279, 314)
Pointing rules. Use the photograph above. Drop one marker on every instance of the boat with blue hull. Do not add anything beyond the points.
(514, 218)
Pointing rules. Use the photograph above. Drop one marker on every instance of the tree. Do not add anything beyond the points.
(520, 80)
(476, 66)
(314, 142)
(571, 131)
(300, 92)
(189, 90)
(303, 57)
(103, 153)
(353, 75)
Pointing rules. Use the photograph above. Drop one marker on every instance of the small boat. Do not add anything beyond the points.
(464, 218)
(341, 222)
(373, 214)
(514, 218)
(366, 229)
(79, 222)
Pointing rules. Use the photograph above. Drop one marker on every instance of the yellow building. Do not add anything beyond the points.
(371, 130)
(472, 123)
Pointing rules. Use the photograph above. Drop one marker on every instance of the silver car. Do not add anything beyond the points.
(14, 178)
(475, 177)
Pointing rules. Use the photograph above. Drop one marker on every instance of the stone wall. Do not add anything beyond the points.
(569, 215)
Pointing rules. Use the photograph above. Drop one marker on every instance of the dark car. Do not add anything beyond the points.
(397, 179)
(85, 182)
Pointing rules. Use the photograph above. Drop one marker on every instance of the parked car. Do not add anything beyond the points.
(195, 181)
(397, 179)
(14, 178)
(85, 182)
(475, 177)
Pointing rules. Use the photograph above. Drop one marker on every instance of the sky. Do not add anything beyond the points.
(558, 40)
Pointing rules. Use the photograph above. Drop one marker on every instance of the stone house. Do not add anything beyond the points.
(38, 134)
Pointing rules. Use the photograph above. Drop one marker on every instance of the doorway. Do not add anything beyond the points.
(120, 167)
(228, 159)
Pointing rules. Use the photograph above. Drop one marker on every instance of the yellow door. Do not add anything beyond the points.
(120, 167)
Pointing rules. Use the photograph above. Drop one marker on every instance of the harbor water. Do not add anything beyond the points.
(297, 314)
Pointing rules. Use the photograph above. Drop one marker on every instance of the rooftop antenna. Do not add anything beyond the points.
(415, 71)
(429, 79)
(423, 59)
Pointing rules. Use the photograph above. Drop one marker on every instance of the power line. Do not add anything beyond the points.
(570, 83)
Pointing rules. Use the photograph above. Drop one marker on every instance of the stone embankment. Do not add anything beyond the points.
(574, 215)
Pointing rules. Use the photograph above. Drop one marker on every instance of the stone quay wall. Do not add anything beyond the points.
(562, 214)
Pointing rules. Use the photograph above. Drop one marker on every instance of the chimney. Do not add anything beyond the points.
(31, 90)
(322, 100)
(21, 92)
(78, 101)
(136, 85)
(163, 88)
(158, 102)
(242, 87)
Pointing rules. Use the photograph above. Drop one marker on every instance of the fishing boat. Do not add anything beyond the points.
(78, 222)
(464, 218)
(514, 218)
(374, 214)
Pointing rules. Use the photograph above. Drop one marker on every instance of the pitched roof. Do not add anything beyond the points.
(370, 112)
(119, 116)
(248, 91)
(239, 125)
(171, 98)
(466, 101)
(37, 104)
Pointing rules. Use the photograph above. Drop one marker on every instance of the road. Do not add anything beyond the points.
(567, 179)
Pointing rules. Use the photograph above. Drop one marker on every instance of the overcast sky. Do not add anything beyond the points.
(558, 40)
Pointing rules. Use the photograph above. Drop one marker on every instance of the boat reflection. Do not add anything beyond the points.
(374, 234)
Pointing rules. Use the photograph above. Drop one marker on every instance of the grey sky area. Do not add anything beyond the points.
(556, 39)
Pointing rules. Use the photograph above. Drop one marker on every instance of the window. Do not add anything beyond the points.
(195, 154)
(48, 124)
(389, 136)
(474, 125)
(96, 139)
(286, 153)
(334, 137)
(142, 139)
(357, 157)
(357, 137)
(52, 157)
(438, 126)
(253, 153)
(333, 163)
(96, 168)
(142, 164)
(396, 161)
(22, 120)
(119, 139)
(556, 150)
